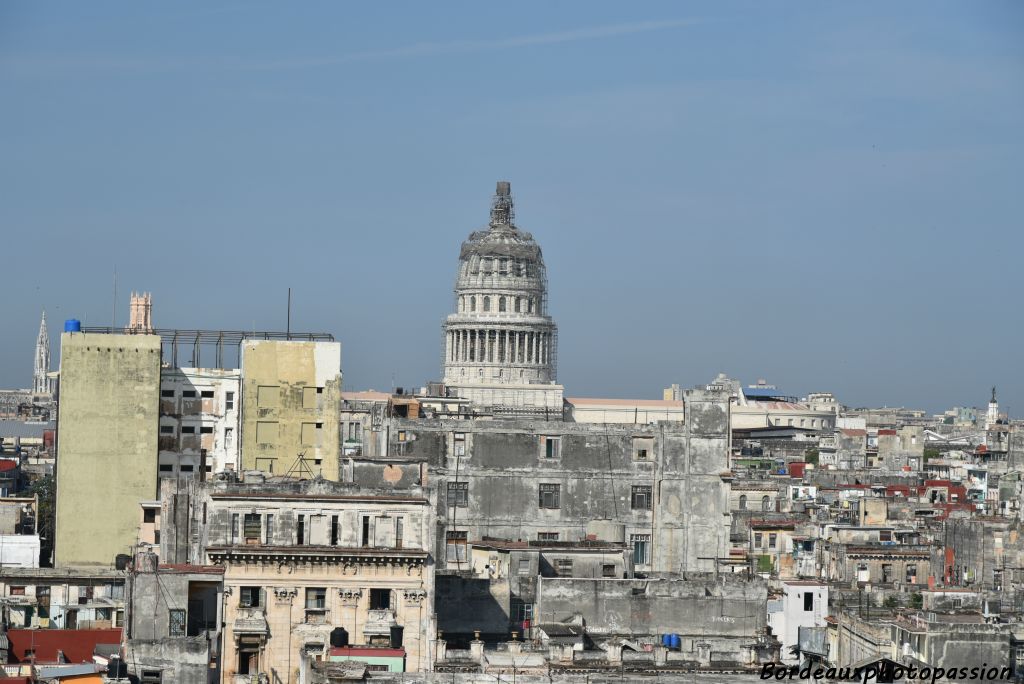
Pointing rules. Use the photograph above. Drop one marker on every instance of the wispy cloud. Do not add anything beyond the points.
(415, 50)
(489, 45)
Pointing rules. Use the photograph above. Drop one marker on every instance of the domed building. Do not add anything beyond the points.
(500, 343)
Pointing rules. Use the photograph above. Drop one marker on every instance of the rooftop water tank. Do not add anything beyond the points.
(72, 325)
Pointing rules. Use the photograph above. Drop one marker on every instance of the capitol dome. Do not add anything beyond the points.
(500, 335)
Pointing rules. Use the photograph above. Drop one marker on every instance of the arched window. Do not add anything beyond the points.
(501, 304)
(487, 303)
(519, 304)
(531, 304)
(743, 502)
(766, 503)
(472, 303)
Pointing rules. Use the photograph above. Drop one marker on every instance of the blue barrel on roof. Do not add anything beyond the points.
(666, 639)
(675, 643)
(72, 325)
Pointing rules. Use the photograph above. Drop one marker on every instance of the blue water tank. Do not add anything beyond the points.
(666, 640)
(72, 325)
(675, 642)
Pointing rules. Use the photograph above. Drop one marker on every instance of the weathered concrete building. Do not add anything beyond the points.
(199, 412)
(291, 405)
(303, 559)
(173, 628)
(107, 443)
(500, 343)
(49, 598)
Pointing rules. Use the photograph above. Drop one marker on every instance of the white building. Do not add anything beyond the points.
(804, 603)
(199, 414)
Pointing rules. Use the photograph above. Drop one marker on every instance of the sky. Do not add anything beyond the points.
(825, 195)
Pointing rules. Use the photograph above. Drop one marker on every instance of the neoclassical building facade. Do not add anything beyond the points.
(500, 342)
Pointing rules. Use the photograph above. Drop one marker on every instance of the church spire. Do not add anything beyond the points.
(40, 383)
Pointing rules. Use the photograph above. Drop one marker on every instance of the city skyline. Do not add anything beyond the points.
(824, 204)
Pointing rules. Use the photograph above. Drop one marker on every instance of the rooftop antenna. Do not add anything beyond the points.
(113, 307)
(288, 328)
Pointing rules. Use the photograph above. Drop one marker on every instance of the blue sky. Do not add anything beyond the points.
(826, 195)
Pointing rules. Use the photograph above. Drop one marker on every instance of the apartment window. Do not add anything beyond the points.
(524, 566)
(206, 430)
(641, 498)
(316, 598)
(17, 591)
(250, 597)
(772, 540)
(166, 429)
(252, 528)
(608, 570)
(547, 536)
(887, 574)
(151, 677)
(166, 394)
(460, 444)
(399, 532)
(758, 540)
(235, 519)
(166, 468)
(300, 530)
(401, 435)
(808, 601)
(311, 397)
(177, 623)
(766, 503)
(641, 544)
(149, 515)
(103, 614)
(521, 612)
(550, 446)
(456, 545)
(743, 502)
(206, 394)
(188, 394)
(334, 530)
(186, 468)
(458, 494)
(269, 532)
(549, 496)
(380, 599)
(267, 396)
(563, 566)
(885, 535)
(366, 531)
(911, 574)
(643, 448)
(188, 429)
(229, 437)
(266, 432)
(229, 400)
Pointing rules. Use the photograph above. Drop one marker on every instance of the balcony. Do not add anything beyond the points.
(379, 622)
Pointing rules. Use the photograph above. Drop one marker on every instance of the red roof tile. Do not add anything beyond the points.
(76, 644)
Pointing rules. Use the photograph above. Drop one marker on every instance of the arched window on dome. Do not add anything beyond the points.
(531, 304)
(487, 303)
(485, 265)
(503, 267)
(501, 304)
(519, 304)
(472, 303)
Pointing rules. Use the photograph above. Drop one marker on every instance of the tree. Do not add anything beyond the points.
(811, 455)
(930, 453)
(916, 600)
(45, 489)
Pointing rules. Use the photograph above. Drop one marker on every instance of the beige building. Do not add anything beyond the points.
(291, 404)
(106, 442)
(304, 559)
